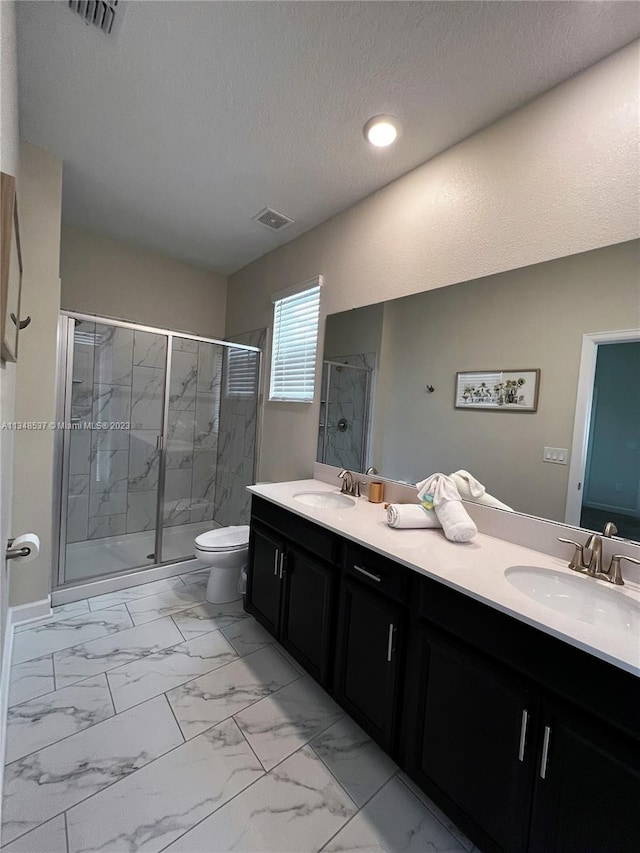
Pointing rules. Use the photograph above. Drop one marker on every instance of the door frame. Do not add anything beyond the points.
(582, 419)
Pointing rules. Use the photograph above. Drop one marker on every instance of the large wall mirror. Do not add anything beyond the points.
(381, 361)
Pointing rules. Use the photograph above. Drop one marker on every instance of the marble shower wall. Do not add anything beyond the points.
(348, 400)
(238, 425)
(118, 377)
(194, 422)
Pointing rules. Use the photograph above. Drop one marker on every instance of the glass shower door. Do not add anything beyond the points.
(111, 457)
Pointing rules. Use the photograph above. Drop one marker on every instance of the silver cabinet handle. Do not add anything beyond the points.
(523, 734)
(275, 562)
(281, 565)
(390, 642)
(545, 752)
(367, 574)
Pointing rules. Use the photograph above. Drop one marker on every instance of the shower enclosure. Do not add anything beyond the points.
(157, 444)
(344, 414)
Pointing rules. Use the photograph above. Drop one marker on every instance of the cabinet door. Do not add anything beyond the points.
(307, 619)
(475, 741)
(369, 640)
(264, 583)
(589, 798)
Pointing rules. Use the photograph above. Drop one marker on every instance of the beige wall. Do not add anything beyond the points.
(552, 179)
(9, 165)
(112, 279)
(40, 198)
(532, 317)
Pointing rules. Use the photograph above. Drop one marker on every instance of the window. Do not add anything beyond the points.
(295, 340)
(242, 373)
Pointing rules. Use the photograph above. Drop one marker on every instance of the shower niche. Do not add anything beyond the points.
(158, 442)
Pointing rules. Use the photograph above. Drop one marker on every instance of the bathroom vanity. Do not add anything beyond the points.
(521, 723)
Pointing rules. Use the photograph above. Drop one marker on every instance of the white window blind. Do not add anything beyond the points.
(295, 340)
(242, 373)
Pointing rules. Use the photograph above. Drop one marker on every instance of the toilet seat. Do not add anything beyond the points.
(224, 539)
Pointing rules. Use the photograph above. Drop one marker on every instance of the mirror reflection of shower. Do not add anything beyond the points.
(343, 434)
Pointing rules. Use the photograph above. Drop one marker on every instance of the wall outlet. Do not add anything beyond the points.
(557, 455)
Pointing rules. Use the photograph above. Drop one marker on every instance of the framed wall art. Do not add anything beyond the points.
(500, 390)
(10, 269)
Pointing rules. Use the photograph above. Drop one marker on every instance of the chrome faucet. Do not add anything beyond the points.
(349, 485)
(587, 558)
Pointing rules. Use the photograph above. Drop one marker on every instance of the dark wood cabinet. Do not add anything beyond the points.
(474, 742)
(308, 618)
(368, 660)
(264, 581)
(529, 744)
(587, 790)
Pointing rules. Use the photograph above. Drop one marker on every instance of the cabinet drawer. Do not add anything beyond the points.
(377, 572)
(320, 542)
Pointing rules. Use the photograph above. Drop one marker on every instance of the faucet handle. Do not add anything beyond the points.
(577, 561)
(615, 572)
(609, 529)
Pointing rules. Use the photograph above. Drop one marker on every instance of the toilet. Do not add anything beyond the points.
(226, 551)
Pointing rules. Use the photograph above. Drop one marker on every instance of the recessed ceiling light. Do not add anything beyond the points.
(382, 130)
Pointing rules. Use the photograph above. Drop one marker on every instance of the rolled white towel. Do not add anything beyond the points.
(455, 521)
(411, 515)
(471, 489)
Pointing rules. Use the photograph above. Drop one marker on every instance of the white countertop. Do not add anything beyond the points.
(475, 568)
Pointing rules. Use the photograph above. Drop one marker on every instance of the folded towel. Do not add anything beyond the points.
(411, 515)
(440, 492)
(471, 489)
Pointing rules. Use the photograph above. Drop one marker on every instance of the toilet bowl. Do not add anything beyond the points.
(226, 551)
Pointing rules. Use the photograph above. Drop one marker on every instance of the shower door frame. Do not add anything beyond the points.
(62, 437)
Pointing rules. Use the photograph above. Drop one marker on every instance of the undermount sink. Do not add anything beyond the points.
(581, 598)
(324, 500)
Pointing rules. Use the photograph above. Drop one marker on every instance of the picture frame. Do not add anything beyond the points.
(498, 390)
(10, 269)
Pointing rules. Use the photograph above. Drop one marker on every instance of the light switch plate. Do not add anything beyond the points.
(557, 455)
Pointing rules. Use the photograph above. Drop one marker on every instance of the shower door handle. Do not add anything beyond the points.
(159, 442)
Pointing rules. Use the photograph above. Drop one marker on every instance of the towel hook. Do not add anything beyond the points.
(430, 389)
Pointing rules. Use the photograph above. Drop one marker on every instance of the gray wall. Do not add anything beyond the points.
(113, 279)
(555, 178)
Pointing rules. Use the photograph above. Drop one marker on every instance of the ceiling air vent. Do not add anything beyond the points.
(102, 14)
(272, 219)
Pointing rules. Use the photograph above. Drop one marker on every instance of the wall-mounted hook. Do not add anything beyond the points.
(21, 324)
(430, 389)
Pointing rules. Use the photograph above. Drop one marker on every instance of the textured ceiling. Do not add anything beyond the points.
(175, 132)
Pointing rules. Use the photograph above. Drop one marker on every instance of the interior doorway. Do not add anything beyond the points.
(604, 480)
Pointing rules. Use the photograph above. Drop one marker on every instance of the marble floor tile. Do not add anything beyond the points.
(51, 837)
(63, 611)
(458, 834)
(110, 599)
(359, 764)
(156, 805)
(80, 662)
(165, 603)
(161, 671)
(281, 723)
(43, 721)
(247, 636)
(208, 617)
(30, 679)
(394, 821)
(60, 776)
(295, 808)
(53, 636)
(200, 577)
(212, 698)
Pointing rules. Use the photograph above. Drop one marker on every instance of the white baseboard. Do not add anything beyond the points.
(34, 611)
(5, 676)
(124, 581)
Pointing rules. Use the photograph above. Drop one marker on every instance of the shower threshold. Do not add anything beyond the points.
(95, 557)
